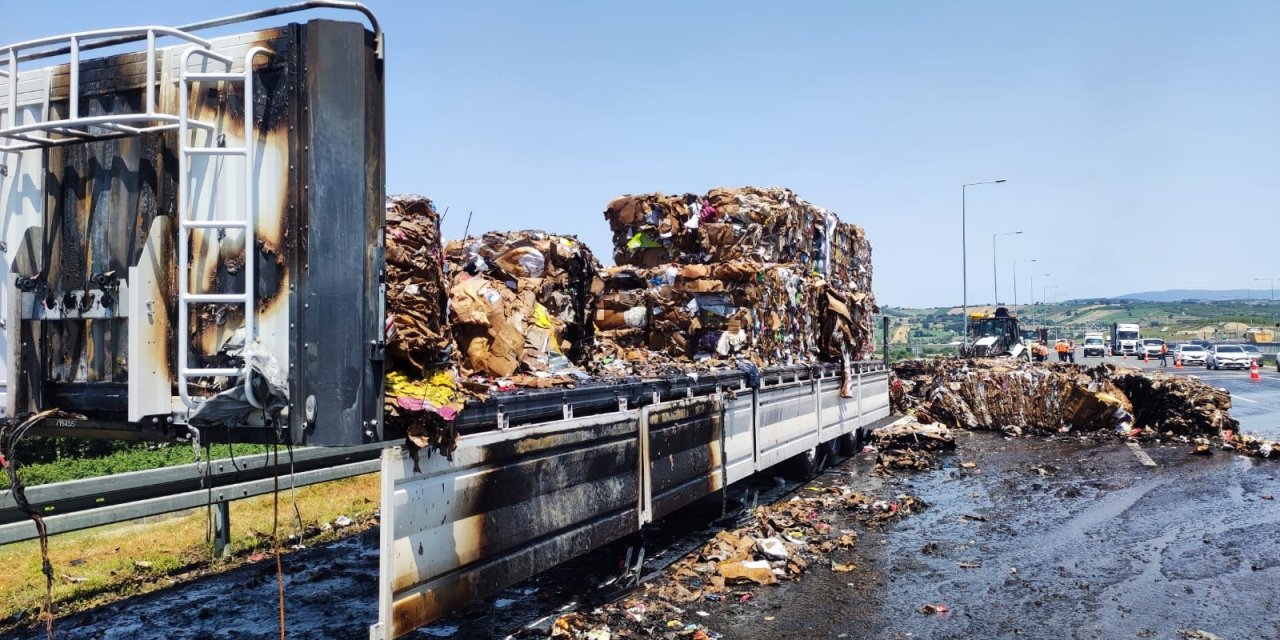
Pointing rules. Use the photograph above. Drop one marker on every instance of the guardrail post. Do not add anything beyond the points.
(644, 490)
(886, 340)
(222, 529)
(862, 418)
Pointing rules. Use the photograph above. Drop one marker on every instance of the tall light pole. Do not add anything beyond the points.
(995, 280)
(1044, 295)
(1015, 283)
(964, 258)
(1033, 286)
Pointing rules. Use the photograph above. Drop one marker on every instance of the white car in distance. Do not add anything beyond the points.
(1150, 347)
(1191, 354)
(1227, 356)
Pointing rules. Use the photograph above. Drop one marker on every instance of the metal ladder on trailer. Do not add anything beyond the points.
(18, 136)
(247, 223)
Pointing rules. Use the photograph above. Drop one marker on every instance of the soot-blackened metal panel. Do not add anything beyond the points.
(508, 505)
(339, 399)
(685, 452)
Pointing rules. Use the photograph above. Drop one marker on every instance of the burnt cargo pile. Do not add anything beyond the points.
(1015, 396)
(748, 276)
(677, 318)
(418, 330)
(754, 274)
(423, 393)
(521, 306)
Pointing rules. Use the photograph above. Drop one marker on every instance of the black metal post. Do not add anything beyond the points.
(886, 340)
(222, 529)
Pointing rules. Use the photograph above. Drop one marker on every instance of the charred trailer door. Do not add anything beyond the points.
(193, 232)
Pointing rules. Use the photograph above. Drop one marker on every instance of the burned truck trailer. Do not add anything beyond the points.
(181, 224)
(194, 248)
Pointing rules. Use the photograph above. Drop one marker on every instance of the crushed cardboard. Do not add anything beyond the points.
(779, 543)
(910, 445)
(422, 391)
(738, 279)
(1017, 397)
(750, 270)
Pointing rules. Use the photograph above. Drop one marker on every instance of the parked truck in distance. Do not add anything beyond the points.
(1125, 338)
(1256, 335)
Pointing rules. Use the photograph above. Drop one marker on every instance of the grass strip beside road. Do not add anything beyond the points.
(134, 459)
(106, 564)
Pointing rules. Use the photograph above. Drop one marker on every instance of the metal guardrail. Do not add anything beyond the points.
(81, 504)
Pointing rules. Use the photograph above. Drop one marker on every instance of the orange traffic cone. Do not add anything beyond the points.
(1124, 355)
(1145, 359)
(1177, 362)
(1253, 371)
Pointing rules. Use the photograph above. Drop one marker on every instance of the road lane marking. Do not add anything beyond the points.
(1142, 455)
(1236, 397)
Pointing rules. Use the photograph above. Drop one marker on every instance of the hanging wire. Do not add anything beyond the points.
(10, 436)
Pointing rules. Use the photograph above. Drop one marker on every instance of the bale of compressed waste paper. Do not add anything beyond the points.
(422, 389)
(522, 305)
(753, 274)
(418, 336)
(1184, 405)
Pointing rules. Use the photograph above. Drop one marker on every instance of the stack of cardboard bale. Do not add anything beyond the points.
(521, 305)
(501, 311)
(422, 390)
(738, 273)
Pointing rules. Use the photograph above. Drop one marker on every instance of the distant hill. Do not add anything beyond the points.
(1174, 295)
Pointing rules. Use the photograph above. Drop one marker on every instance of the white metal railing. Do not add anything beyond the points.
(248, 223)
(18, 136)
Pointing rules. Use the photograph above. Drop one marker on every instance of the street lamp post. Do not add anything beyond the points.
(1015, 284)
(995, 280)
(1033, 286)
(1044, 295)
(964, 257)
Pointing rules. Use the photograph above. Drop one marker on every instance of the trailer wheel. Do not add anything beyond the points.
(802, 466)
(848, 444)
(829, 454)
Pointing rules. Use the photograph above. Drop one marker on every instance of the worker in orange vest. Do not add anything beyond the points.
(1164, 354)
(1062, 350)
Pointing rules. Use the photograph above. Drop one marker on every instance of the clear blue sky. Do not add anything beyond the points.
(1141, 140)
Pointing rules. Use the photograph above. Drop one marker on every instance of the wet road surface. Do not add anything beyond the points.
(1040, 539)
(1054, 539)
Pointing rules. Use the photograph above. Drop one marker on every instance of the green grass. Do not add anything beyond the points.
(133, 457)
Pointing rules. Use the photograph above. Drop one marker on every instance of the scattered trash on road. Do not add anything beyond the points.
(934, 609)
